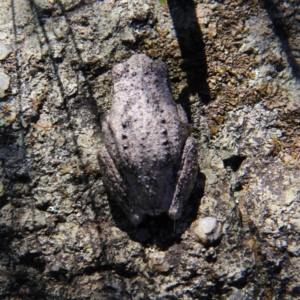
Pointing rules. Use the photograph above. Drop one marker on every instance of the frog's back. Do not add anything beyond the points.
(143, 117)
(144, 133)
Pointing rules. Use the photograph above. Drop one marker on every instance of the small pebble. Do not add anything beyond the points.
(4, 51)
(207, 230)
(4, 84)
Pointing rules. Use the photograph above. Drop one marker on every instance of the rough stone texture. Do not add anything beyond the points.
(235, 74)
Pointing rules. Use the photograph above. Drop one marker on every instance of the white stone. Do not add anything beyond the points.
(207, 230)
(4, 84)
(158, 262)
(4, 51)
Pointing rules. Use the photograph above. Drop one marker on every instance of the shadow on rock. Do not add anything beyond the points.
(190, 39)
(161, 230)
(287, 27)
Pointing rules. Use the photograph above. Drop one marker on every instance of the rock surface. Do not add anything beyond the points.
(230, 68)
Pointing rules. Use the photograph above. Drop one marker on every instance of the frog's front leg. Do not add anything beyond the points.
(186, 178)
(115, 184)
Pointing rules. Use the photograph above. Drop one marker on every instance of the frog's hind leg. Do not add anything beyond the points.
(111, 176)
(115, 184)
(186, 178)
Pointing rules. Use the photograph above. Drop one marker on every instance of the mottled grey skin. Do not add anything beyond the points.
(149, 162)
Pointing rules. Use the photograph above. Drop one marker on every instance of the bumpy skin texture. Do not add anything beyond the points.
(149, 162)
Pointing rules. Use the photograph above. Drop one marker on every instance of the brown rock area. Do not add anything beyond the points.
(234, 67)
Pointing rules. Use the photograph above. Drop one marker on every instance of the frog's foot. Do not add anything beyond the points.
(135, 216)
(115, 184)
(186, 179)
(182, 114)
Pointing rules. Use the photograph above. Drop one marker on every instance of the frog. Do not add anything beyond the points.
(148, 160)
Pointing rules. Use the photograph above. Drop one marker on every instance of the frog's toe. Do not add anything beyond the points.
(175, 212)
(135, 216)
